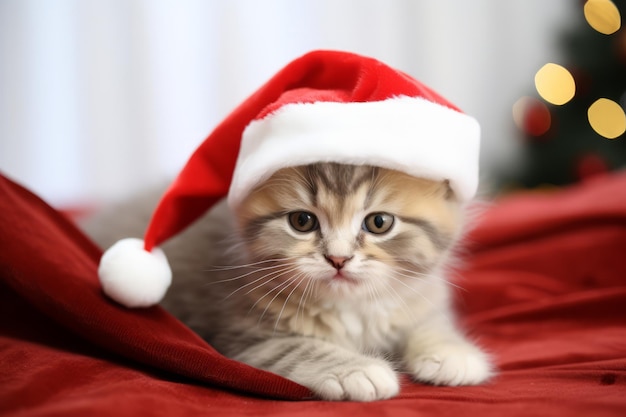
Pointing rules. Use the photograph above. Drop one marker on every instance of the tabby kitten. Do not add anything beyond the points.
(332, 276)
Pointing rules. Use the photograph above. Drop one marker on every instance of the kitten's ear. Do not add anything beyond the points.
(448, 193)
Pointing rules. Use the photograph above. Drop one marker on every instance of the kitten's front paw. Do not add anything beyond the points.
(452, 364)
(370, 381)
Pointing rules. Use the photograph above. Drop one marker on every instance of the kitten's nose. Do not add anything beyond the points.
(337, 261)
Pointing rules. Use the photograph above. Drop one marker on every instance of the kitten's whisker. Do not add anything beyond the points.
(410, 313)
(416, 291)
(303, 297)
(215, 268)
(267, 268)
(412, 275)
(417, 274)
(374, 294)
(413, 289)
(371, 291)
(301, 278)
(412, 271)
(271, 289)
(283, 286)
(261, 278)
(280, 274)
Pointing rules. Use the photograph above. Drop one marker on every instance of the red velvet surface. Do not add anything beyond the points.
(544, 289)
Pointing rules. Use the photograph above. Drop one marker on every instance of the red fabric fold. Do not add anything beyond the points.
(544, 290)
(52, 268)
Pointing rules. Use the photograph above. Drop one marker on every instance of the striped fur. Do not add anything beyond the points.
(266, 294)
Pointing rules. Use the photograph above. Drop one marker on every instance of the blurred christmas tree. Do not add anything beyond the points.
(574, 128)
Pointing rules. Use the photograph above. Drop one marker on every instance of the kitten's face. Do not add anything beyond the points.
(348, 230)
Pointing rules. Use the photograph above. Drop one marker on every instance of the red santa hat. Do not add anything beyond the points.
(325, 106)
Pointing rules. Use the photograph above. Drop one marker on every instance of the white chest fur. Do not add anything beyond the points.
(366, 327)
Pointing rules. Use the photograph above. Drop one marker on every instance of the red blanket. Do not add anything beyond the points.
(544, 291)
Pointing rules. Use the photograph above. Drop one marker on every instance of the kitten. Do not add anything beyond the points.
(330, 275)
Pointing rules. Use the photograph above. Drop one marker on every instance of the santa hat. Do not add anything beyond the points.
(325, 106)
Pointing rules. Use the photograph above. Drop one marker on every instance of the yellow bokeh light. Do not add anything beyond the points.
(603, 16)
(555, 84)
(607, 118)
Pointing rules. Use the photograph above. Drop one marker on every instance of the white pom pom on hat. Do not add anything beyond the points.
(326, 106)
(133, 276)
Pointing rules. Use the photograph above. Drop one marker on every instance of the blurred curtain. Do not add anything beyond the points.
(99, 98)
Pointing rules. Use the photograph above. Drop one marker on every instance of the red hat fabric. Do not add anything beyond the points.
(326, 106)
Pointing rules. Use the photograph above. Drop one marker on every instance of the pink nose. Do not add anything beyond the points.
(337, 261)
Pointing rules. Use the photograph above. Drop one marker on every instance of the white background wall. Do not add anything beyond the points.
(99, 98)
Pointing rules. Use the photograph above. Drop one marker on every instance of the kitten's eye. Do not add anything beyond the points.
(303, 221)
(378, 223)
